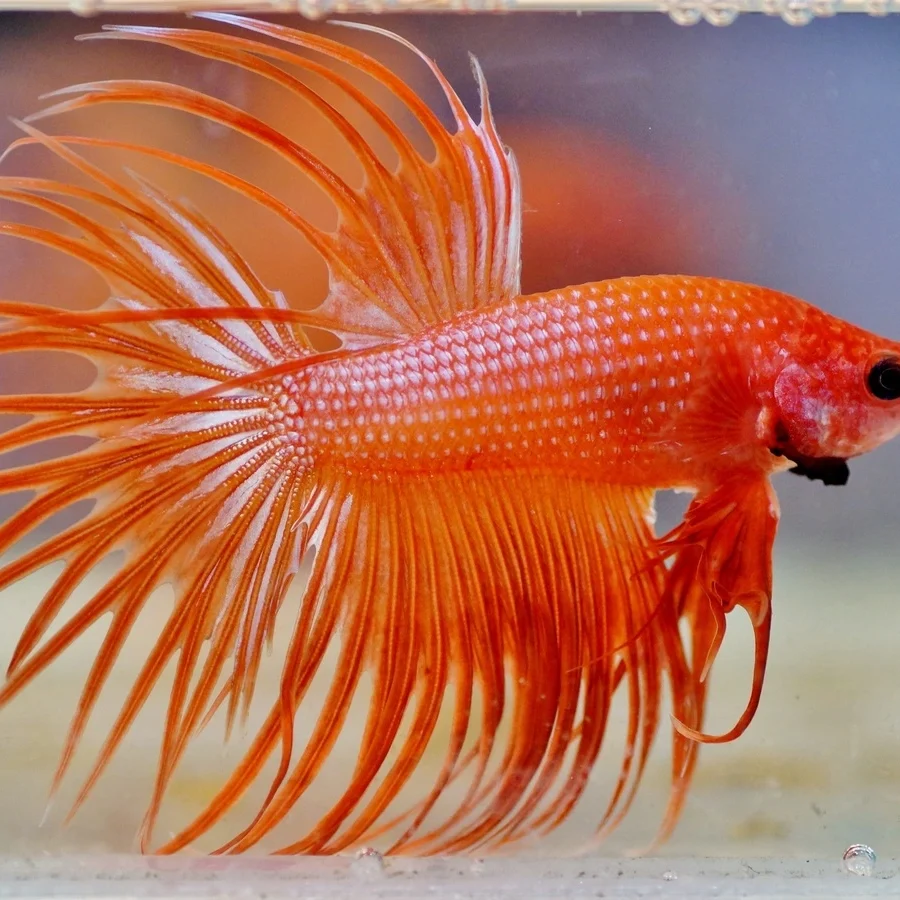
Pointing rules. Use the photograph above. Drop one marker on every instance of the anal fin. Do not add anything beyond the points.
(534, 592)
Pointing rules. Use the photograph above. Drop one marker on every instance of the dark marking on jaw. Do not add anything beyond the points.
(827, 469)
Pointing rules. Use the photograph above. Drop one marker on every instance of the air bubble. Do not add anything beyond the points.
(313, 9)
(669, 875)
(369, 863)
(85, 8)
(797, 12)
(794, 12)
(859, 859)
(824, 9)
(720, 14)
(685, 13)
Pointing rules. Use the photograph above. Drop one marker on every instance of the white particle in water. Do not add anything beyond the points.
(859, 859)
(369, 863)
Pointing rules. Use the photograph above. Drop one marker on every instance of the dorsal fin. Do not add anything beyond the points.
(412, 247)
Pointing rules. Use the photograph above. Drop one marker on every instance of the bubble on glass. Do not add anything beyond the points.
(312, 9)
(797, 12)
(794, 12)
(369, 863)
(721, 13)
(859, 859)
(824, 9)
(685, 13)
(85, 8)
(669, 875)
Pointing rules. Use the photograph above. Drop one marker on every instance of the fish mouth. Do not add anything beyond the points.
(831, 470)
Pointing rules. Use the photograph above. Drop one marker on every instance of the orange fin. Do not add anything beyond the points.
(413, 246)
(208, 479)
(720, 416)
(542, 605)
(523, 598)
(723, 559)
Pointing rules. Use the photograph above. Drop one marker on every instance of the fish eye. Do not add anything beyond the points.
(884, 378)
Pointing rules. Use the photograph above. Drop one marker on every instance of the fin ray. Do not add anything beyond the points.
(723, 559)
(407, 263)
(373, 578)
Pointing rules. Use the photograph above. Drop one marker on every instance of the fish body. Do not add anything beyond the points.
(470, 472)
(612, 377)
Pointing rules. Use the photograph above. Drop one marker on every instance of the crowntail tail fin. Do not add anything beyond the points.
(531, 594)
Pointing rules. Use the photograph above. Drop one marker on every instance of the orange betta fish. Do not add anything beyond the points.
(470, 472)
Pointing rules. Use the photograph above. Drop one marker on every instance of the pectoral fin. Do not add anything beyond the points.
(723, 559)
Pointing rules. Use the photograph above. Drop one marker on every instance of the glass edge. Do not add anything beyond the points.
(685, 12)
(461, 878)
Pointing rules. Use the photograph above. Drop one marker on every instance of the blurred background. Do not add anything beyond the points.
(757, 152)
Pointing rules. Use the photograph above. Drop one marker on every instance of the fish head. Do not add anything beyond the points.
(836, 394)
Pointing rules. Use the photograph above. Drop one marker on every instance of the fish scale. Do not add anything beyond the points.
(583, 376)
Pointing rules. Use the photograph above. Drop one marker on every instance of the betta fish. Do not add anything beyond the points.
(466, 473)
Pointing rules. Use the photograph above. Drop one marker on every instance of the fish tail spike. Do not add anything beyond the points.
(189, 478)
